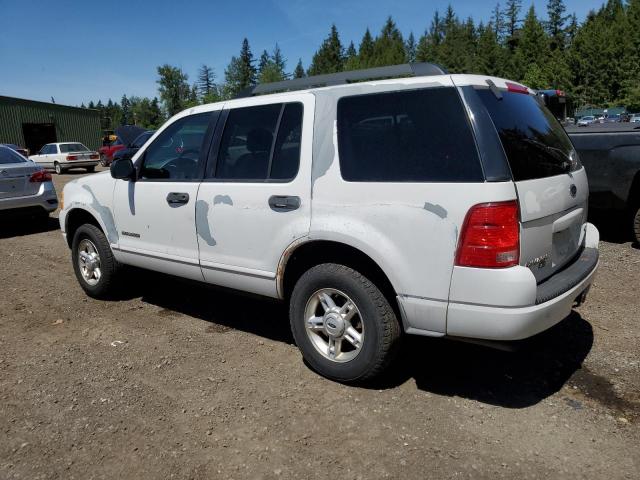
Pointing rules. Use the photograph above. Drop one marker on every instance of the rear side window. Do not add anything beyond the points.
(7, 156)
(72, 147)
(261, 143)
(409, 136)
(534, 142)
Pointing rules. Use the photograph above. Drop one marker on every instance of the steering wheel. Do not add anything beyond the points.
(183, 166)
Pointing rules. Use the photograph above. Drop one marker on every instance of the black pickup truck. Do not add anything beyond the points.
(610, 153)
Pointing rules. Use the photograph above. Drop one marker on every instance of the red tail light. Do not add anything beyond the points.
(94, 156)
(516, 88)
(72, 157)
(40, 176)
(490, 236)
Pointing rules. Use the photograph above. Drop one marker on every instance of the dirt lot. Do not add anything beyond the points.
(183, 381)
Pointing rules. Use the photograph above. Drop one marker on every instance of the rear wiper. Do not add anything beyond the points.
(567, 162)
(494, 89)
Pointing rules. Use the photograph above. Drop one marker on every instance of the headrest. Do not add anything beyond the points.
(259, 140)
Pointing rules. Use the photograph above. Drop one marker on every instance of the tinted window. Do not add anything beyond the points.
(246, 142)
(9, 156)
(72, 147)
(286, 154)
(142, 139)
(49, 149)
(535, 143)
(175, 153)
(410, 136)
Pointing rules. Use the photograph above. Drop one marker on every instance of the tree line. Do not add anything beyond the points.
(597, 62)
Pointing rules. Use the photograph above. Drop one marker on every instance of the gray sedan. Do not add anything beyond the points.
(24, 186)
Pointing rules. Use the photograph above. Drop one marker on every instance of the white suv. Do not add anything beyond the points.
(434, 205)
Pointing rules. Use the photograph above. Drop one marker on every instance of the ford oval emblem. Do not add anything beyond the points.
(573, 190)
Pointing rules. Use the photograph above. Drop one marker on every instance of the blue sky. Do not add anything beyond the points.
(76, 51)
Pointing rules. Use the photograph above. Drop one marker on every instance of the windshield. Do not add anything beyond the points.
(7, 156)
(534, 142)
(72, 147)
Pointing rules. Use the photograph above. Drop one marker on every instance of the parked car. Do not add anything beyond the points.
(21, 150)
(634, 118)
(586, 121)
(65, 156)
(134, 146)
(25, 188)
(124, 136)
(612, 118)
(456, 218)
(611, 156)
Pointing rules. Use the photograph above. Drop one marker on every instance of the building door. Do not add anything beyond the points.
(38, 134)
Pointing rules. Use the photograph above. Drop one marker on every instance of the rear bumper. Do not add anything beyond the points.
(79, 164)
(46, 199)
(515, 323)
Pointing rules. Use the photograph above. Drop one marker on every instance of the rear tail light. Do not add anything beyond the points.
(490, 236)
(40, 176)
(72, 157)
(94, 156)
(517, 88)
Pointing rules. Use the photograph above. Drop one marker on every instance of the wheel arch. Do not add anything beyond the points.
(75, 218)
(302, 255)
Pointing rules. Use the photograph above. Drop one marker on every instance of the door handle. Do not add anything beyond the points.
(284, 203)
(177, 198)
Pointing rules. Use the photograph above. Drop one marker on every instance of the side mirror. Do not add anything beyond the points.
(123, 169)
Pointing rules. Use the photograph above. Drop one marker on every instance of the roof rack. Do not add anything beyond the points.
(341, 78)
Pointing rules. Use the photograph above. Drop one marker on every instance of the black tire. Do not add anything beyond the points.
(109, 267)
(381, 327)
(635, 224)
(103, 160)
(58, 168)
(91, 169)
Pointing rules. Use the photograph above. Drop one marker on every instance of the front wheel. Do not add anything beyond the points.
(343, 324)
(93, 262)
(103, 160)
(58, 168)
(635, 214)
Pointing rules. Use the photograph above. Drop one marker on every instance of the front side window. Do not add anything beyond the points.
(252, 150)
(407, 136)
(7, 156)
(175, 153)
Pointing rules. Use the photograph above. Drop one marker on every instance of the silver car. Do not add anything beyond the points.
(24, 186)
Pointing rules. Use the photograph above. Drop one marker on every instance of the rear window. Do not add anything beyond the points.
(408, 136)
(7, 156)
(72, 147)
(534, 142)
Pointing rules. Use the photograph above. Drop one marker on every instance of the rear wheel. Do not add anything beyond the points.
(635, 224)
(93, 262)
(103, 160)
(342, 323)
(58, 168)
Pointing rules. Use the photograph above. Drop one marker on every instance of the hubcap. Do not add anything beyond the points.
(89, 262)
(334, 325)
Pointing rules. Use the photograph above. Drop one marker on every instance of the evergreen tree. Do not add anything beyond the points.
(330, 56)
(631, 60)
(532, 52)
(126, 118)
(279, 61)
(206, 81)
(299, 70)
(572, 29)
(365, 52)
(410, 49)
(351, 58)
(91, 105)
(173, 88)
(388, 47)
(429, 43)
(498, 22)
(512, 21)
(240, 73)
(555, 24)
(489, 59)
(271, 67)
(265, 60)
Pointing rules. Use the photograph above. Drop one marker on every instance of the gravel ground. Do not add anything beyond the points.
(184, 381)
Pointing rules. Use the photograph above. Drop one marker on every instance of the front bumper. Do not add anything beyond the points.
(46, 199)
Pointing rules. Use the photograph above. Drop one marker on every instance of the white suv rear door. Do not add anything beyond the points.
(255, 199)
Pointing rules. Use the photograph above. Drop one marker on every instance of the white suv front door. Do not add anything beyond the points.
(155, 215)
(255, 200)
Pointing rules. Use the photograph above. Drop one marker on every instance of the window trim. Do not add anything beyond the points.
(212, 163)
(463, 105)
(214, 116)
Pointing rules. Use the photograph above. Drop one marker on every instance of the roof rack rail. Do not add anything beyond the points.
(341, 78)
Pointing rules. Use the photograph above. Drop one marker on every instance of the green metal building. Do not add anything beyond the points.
(33, 124)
